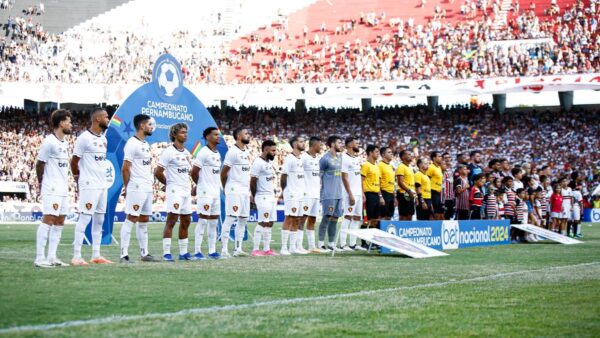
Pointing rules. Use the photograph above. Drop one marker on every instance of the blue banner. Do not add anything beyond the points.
(446, 235)
(168, 101)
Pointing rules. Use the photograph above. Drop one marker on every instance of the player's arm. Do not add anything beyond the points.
(39, 170)
(159, 173)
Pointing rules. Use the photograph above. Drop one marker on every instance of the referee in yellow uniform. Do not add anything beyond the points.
(387, 183)
(423, 186)
(436, 176)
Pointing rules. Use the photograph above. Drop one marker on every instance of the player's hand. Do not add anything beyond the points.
(352, 200)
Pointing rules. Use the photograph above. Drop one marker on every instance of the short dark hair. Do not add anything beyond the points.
(237, 132)
(58, 116)
(332, 139)
(434, 154)
(312, 140)
(371, 148)
(349, 140)
(267, 143)
(207, 131)
(139, 119)
(175, 129)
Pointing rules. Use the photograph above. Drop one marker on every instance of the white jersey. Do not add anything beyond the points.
(265, 174)
(138, 153)
(55, 154)
(238, 179)
(177, 169)
(209, 180)
(293, 168)
(351, 166)
(312, 176)
(91, 149)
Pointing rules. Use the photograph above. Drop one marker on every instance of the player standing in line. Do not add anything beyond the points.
(262, 188)
(353, 197)
(52, 169)
(137, 184)
(175, 162)
(311, 203)
(206, 173)
(330, 166)
(406, 187)
(235, 178)
(89, 170)
(292, 186)
(436, 177)
(388, 182)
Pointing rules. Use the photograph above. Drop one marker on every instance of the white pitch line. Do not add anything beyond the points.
(213, 309)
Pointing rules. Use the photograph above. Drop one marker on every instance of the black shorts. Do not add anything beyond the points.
(406, 206)
(387, 210)
(436, 202)
(372, 205)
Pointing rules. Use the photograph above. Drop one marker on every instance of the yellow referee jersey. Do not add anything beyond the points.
(436, 176)
(388, 179)
(370, 174)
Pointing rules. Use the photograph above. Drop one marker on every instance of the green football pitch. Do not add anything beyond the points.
(541, 289)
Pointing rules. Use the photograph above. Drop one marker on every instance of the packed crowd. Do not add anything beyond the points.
(403, 50)
(564, 142)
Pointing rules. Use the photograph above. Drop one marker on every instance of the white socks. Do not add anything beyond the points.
(40, 241)
(199, 234)
(354, 225)
(82, 223)
(343, 234)
(166, 246)
(310, 234)
(257, 236)
(225, 232)
(126, 237)
(267, 232)
(212, 235)
(183, 246)
(285, 235)
(97, 222)
(54, 239)
(142, 236)
(240, 231)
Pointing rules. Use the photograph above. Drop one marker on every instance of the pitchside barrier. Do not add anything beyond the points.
(446, 235)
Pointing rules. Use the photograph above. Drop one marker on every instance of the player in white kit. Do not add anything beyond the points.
(235, 178)
(52, 169)
(173, 171)
(262, 188)
(311, 203)
(88, 166)
(137, 184)
(352, 200)
(293, 187)
(206, 172)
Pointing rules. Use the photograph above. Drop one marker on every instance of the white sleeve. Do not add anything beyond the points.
(79, 147)
(129, 152)
(229, 159)
(165, 158)
(255, 169)
(45, 150)
(345, 166)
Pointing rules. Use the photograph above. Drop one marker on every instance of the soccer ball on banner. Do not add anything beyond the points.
(168, 78)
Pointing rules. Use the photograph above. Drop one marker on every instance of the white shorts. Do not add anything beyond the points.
(138, 203)
(93, 201)
(180, 204)
(266, 207)
(310, 207)
(55, 205)
(237, 205)
(353, 210)
(576, 214)
(293, 208)
(209, 206)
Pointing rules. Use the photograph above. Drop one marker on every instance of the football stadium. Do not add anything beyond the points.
(313, 168)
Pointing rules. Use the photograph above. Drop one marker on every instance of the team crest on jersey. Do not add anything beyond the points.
(136, 207)
(55, 206)
(306, 208)
(88, 206)
(294, 210)
(176, 206)
(235, 208)
(266, 214)
(206, 207)
(350, 209)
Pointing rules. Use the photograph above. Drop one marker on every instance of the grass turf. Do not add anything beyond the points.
(433, 297)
